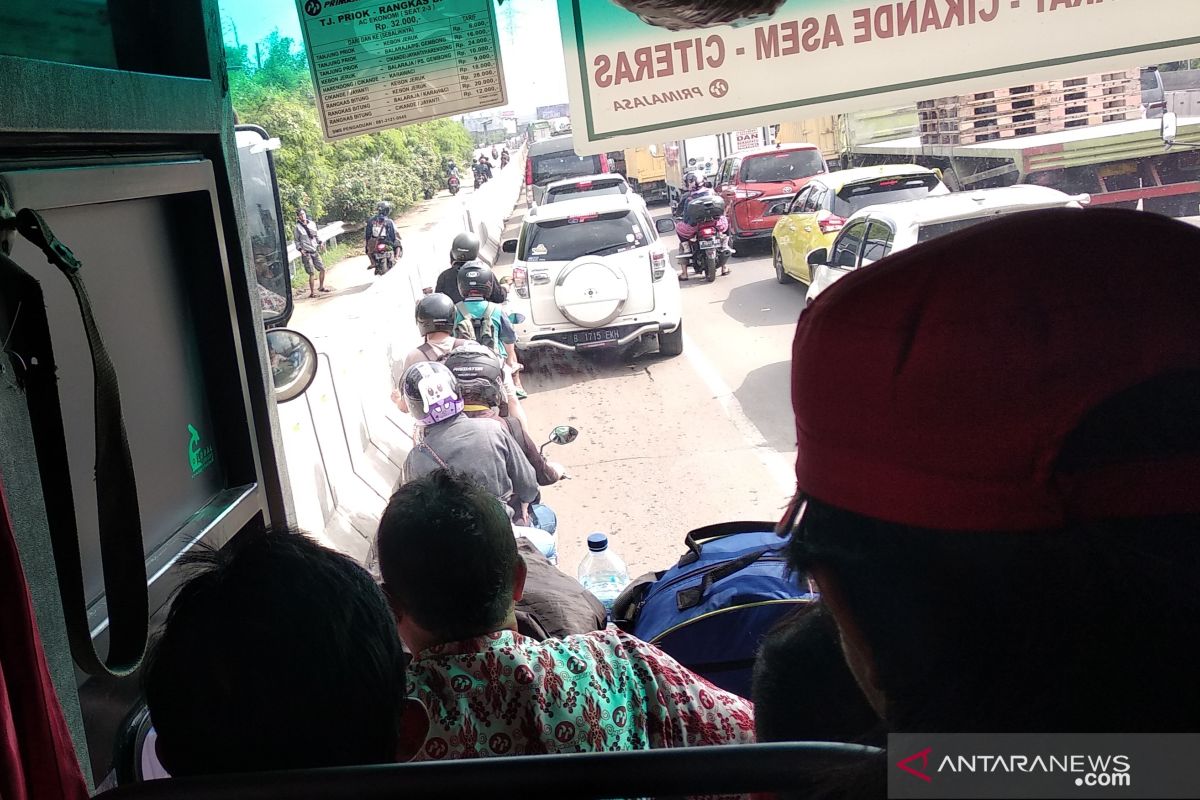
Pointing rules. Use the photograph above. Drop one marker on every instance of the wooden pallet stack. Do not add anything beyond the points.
(1041, 107)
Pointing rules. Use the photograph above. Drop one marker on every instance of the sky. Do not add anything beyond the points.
(529, 43)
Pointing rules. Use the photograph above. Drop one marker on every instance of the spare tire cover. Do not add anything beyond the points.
(590, 292)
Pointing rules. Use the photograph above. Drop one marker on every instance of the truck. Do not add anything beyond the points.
(645, 168)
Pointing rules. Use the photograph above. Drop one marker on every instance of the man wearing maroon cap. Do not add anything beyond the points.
(998, 475)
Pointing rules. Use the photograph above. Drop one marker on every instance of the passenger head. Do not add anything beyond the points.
(277, 654)
(998, 454)
(475, 280)
(480, 375)
(435, 314)
(464, 248)
(431, 392)
(803, 690)
(449, 560)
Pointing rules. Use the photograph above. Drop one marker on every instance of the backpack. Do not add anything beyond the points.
(713, 608)
(481, 330)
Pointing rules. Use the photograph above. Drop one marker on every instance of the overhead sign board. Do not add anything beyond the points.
(633, 82)
(554, 111)
(378, 65)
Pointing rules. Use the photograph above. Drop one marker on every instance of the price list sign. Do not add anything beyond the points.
(379, 65)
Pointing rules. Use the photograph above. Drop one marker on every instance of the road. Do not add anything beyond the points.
(669, 444)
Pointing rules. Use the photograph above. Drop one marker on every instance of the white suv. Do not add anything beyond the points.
(591, 273)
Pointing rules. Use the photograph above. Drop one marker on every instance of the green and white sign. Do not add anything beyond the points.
(635, 82)
(378, 65)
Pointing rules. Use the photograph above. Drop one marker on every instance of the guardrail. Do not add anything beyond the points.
(325, 234)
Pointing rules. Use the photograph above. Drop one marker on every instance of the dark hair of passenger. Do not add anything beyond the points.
(278, 653)
(1090, 628)
(448, 555)
(803, 689)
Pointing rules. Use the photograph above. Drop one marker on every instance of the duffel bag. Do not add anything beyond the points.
(712, 609)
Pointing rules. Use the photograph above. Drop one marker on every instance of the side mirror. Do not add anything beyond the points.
(293, 360)
(1170, 127)
(777, 209)
(664, 225)
(564, 434)
(509, 245)
(818, 257)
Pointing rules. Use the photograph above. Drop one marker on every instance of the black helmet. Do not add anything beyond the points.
(480, 374)
(435, 312)
(465, 247)
(431, 391)
(475, 280)
(384, 208)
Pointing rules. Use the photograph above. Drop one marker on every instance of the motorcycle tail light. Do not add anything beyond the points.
(520, 278)
(708, 231)
(658, 265)
(831, 224)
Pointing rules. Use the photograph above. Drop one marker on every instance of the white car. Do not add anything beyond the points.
(592, 273)
(610, 183)
(878, 230)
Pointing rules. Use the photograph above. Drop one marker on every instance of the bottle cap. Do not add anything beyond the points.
(597, 542)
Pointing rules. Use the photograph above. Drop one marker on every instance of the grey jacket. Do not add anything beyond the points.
(480, 448)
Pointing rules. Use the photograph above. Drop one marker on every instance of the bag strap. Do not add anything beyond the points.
(120, 526)
(423, 445)
(428, 350)
(695, 540)
(691, 597)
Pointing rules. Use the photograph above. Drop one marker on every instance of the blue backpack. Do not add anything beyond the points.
(712, 609)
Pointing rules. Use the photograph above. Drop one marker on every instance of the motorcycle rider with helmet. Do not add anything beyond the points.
(480, 375)
(382, 244)
(446, 438)
(435, 316)
(464, 248)
(695, 187)
(487, 320)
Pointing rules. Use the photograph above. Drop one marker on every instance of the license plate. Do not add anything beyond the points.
(708, 244)
(604, 337)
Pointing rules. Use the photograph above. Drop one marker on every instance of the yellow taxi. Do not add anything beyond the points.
(813, 217)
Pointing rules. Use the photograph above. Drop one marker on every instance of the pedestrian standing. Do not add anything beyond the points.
(310, 246)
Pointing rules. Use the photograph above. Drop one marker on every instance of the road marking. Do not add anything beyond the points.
(778, 465)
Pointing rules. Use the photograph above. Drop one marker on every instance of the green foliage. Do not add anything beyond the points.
(271, 87)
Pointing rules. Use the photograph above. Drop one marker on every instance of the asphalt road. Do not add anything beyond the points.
(670, 444)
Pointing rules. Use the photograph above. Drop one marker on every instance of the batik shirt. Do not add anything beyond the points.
(505, 694)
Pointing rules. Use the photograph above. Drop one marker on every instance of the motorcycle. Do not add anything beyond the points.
(708, 248)
(504, 159)
(383, 259)
(541, 516)
(452, 184)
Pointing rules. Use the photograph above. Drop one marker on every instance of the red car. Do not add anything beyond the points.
(752, 181)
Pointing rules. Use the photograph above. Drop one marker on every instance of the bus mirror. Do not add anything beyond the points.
(293, 361)
(1170, 127)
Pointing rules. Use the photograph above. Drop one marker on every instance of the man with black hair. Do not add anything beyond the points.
(277, 653)
(453, 574)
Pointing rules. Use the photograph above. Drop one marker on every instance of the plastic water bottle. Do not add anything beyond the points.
(602, 572)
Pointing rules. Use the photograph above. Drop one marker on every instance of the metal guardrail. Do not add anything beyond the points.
(324, 234)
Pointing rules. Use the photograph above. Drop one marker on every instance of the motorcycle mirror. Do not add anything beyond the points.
(293, 359)
(564, 434)
(515, 318)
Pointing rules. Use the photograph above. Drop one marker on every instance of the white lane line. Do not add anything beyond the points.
(778, 465)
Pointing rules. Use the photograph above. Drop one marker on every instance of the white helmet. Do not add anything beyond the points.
(693, 180)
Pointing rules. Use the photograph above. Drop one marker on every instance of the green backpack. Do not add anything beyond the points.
(481, 330)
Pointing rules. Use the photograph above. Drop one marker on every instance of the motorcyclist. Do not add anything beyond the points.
(435, 316)
(476, 284)
(494, 153)
(504, 158)
(464, 248)
(694, 187)
(381, 231)
(445, 438)
(480, 375)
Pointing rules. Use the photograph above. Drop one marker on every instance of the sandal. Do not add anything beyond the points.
(521, 393)
(325, 290)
